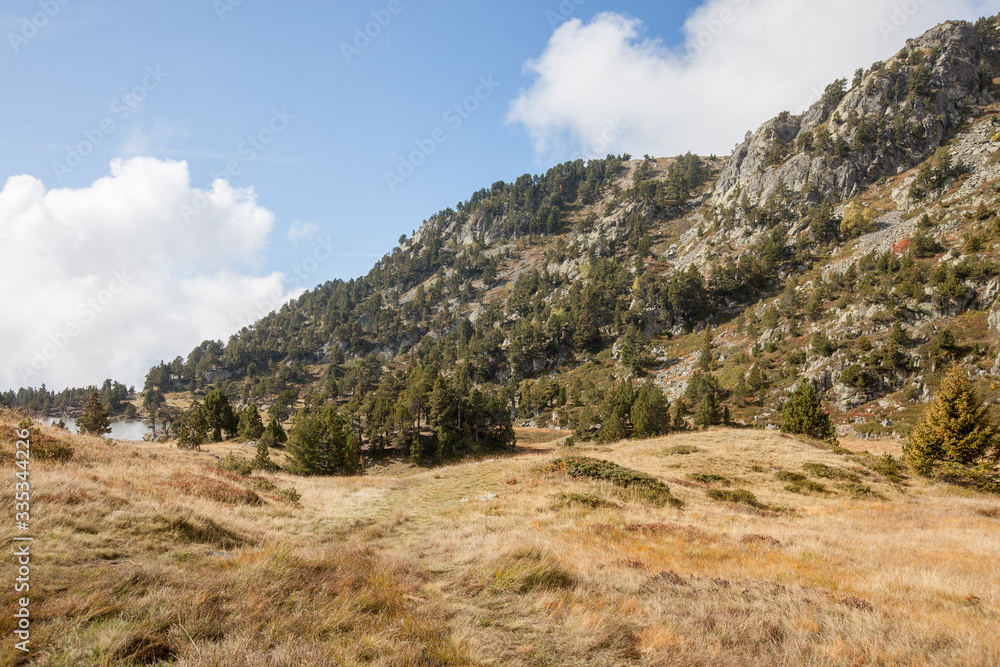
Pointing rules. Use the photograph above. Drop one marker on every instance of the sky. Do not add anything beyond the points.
(171, 172)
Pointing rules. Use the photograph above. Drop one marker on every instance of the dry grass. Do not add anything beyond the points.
(145, 554)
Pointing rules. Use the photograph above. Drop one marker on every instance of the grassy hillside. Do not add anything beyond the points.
(766, 550)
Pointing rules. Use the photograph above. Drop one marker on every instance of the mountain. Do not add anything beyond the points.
(852, 245)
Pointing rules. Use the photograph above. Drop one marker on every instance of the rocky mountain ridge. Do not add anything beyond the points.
(868, 220)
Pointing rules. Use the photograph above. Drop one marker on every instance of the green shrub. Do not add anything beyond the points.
(859, 490)
(741, 496)
(709, 478)
(681, 450)
(890, 468)
(799, 483)
(803, 414)
(233, 464)
(646, 486)
(982, 477)
(593, 502)
(828, 472)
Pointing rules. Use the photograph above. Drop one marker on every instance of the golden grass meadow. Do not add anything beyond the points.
(780, 552)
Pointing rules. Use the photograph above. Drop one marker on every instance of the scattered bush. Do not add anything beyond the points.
(43, 447)
(593, 502)
(740, 496)
(646, 486)
(863, 491)
(233, 464)
(681, 450)
(709, 478)
(890, 468)
(982, 477)
(828, 472)
(799, 483)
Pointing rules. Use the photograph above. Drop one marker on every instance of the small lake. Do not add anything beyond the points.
(120, 430)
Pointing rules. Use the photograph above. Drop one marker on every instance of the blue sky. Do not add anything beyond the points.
(226, 75)
(121, 114)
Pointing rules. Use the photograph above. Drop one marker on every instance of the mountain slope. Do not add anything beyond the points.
(851, 245)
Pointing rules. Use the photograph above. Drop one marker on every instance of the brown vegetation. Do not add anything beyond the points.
(145, 554)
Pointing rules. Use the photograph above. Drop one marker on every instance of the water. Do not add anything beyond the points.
(120, 430)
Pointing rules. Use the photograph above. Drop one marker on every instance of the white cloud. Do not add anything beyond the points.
(300, 230)
(103, 281)
(606, 87)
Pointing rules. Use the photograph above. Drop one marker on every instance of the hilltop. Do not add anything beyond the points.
(763, 549)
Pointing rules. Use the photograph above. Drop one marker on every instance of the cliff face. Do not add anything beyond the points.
(893, 117)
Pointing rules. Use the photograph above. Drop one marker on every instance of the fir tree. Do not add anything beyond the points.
(94, 419)
(802, 414)
(956, 428)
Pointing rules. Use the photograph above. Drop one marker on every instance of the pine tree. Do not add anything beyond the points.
(705, 360)
(680, 409)
(251, 425)
(708, 412)
(803, 414)
(323, 443)
(192, 428)
(262, 461)
(153, 400)
(94, 419)
(220, 414)
(650, 413)
(741, 391)
(275, 432)
(956, 428)
(616, 413)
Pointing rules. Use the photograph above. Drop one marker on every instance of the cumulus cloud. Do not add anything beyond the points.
(606, 86)
(103, 281)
